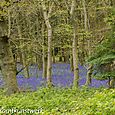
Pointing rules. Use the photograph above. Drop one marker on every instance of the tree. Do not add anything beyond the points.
(74, 45)
(104, 56)
(89, 73)
(49, 30)
(7, 64)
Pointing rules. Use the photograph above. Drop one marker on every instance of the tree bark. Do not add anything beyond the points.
(53, 55)
(44, 66)
(75, 60)
(44, 56)
(49, 30)
(71, 62)
(90, 68)
(26, 71)
(8, 65)
(112, 83)
(74, 46)
(89, 75)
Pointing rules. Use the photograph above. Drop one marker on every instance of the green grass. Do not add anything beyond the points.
(57, 101)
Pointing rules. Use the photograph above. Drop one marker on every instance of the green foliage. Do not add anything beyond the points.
(104, 56)
(57, 101)
(63, 35)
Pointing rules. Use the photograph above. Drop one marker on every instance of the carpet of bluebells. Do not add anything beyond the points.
(61, 77)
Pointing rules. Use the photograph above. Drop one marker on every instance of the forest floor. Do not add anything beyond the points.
(96, 99)
(60, 101)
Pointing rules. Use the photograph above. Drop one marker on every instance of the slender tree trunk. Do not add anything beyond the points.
(49, 30)
(75, 60)
(75, 46)
(44, 66)
(26, 71)
(71, 62)
(8, 65)
(90, 68)
(53, 55)
(9, 23)
(60, 59)
(49, 66)
(20, 57)
(25, 63)
(39, 61)
(61, 55)
(66, 55)
(89, 75)
(44, 56)
(108, 83)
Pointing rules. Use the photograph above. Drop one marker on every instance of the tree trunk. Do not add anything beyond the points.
(66, 55)
(26, 71)
(44, 56)
(49, 30)
(53, 57)
(44, 66)
(39, 61)
(60, 59)
(8, 65)
(71, 62)
(74, 46)
(75, 60)
(112, 83)
(89, 75)
(49, 64)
